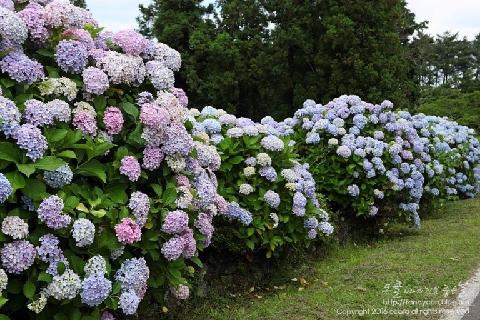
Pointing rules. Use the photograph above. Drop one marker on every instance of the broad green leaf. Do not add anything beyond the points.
(35, 189)
(69, 154)
(16, 180)
(29, 289)
(130, 109)
(9, 152)
(27, 169)
(93, 168)
(49, 163)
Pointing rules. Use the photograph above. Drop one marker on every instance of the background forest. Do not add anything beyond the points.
(261, 57)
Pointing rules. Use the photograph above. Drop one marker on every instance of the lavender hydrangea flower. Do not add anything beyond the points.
(234, 211)
(6, 189)
(95, 289)
(344, 151)
(173, 248)
(353, 190)
(140, 205)
(175, 222)
(95, 81)
(50, 213)
(58, 178)
(83, 231)
(131, 42)
(18, 256)
(152, 158)
(30, 138)
(113, 120)
(272, 199)
(71, 56)
(60, 110)
(129, 302)
(130, 168)
(272, 143)
(7, 4)
(33, 16)
(85, 122)
(161, 77)
(12, 27)
(9, 116)
(21, 68)
(36, 113)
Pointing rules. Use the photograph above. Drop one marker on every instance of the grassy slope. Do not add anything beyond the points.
(443, 252)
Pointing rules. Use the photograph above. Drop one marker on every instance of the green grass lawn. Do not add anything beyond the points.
(442, 254)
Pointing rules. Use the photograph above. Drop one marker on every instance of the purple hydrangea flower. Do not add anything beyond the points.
(6, 189)
(177, 141)
(272, 199)
(30, 138)
(353, 190)
(21, 68)
(18, 256)
(95, 289)
(71, 56)
(129, 302)
(272, 143)
(175, 222)
(133, 275)
(113, 120)
(128, 231)
(36, 113)
(140, 205)
(181, 96)
(154, 116)
(161, 77)
(204, 224)
(131, 42)
(33, 16)
(152, 158)
(85, 122)
(130, 168)
(234, 211)
(9, 116)
(60, 110)
(50, 213)
(95, 81)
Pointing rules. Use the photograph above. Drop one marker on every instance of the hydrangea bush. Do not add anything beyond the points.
(373, 161)
(270, 195)
(106, 198)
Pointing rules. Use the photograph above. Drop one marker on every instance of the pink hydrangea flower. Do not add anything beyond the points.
(128, 231)
(113, 120)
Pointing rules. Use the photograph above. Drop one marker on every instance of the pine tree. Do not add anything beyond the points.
(80, 3)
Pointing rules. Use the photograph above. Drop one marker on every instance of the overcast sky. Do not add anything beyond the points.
(461, 16)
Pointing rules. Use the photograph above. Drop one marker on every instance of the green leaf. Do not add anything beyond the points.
(130, 109)
(197, 261)
(157, 189)
(236, 160)
(69, 154)
(75, 314)
(26, 169)
(93, 168)
(55, 135)
(45, 53)
(35, 189)
(98, 149)
(16, 180)
(7, 82)
(3, 300)
(250, 244)
(170, 194)
(2, 316)
(60, 316)
(49, 163)
(61, 267)
(9, 152)
(71, 203)
(52, 72)
(29, 289)
(117, 193)
(100, 103)
(44, 277)
(77, 263)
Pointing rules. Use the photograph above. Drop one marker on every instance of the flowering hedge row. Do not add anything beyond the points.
(373, 161)
(110, 187)
(272, 195)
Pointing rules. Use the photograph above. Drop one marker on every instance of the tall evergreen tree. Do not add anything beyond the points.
(80, 3)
